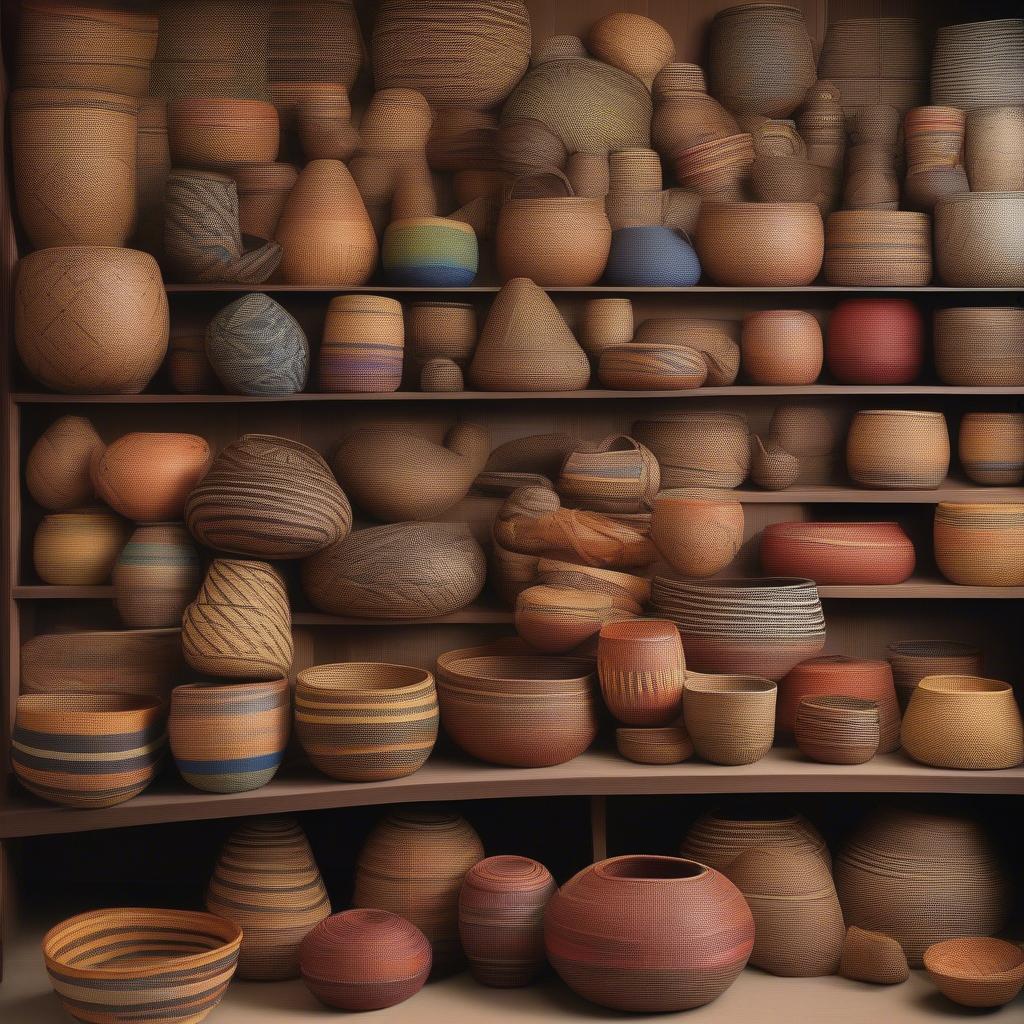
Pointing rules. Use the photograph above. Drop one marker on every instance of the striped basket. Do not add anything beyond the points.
(155, 576)
(140, 966)
(991, 447)
(87, 749)
(620, 476)
(366, 721)
(362, 345)
(647, 367)
(912, 660)
(667, 744)
(429, 252)
(229, 739)
(980, 545)
(267, 882)
(898, 449)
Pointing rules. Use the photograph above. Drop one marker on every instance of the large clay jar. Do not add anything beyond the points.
(698, 532)
(641, 666)
(78, 548)
(501, 919)
(325, 230)
(363, 960)
(74, 165)
(239, 625)
(57, 471)
(413, 864)
(922, 877)
(398, 475)
(91, 320)
(875, 341)
(400, 571)
(553, 240)
(267, 882)
(761, 59)
(648, 934)
(837, 676)
(797, 918)
(155, 576)
(148, 477)
(268, 496)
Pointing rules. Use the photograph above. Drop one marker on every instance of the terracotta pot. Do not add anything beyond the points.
(697, 532)
(57, 470)
(149, 477)
(976, 971)
(267, 882)
(156, 575)
(78, 548)
(729, 718)
(413, 864)
(898, 449)
(782, 347)
(875, 341)
(991, 447)
(501, 919)
(71, 338)
(641, 666)
(979, 545)
(363, 960)
(648, 934)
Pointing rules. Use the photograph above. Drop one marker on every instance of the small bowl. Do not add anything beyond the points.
(730, 718)
(976, 970)
(557, 619)
(667, 744)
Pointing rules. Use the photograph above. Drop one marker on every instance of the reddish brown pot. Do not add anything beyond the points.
(364, 960)
(875, 341)
(838, 553)
(501, 919)
(834, 675)
(648, 934)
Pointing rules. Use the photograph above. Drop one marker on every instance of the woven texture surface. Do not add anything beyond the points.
(873, 957)
(157, 573)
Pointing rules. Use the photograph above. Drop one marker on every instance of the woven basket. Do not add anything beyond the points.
(268, 496)
(57, 468)
(667, 744)
(771, 244)
(991, 447)
(760, 59)
(229, 739)
(366, 721)
(152, 166)
(534, 453)
(148, 477)
(684, 114)
(729, 718)
(898, 449)
(873, 957)
(979, 239)
(878, 247)
(362, 345)
(838, 554)
(717, 838)
(267, 882)
(262, 192)
(628, 593)
(651, 256)
(976, 971)
(441, 375)
(363, 960)
(72, 338)
(78, 548)
(221, 133)
(798, 923)
(400, 571)
(710, 449)
(633, 43)
(429, 252)
(837, 730)
(861, 47)
(526, 345)
(463, 140)
(605, 323)
(324, 123)
(501, 920)
(963, 722)
(805, 430)
(782, 347)
(922, 877)
(978, 545)
(316, 40)
(413, 864)
(994, 149)
(441, 330)
(179, 960)
(156, 575)
(794, 179)
(188, 369)
(875, 341)
(641, 666)
(651, 367)
(771, 466)
(74, 165)
(912, 660)
(554, 620)
(123, 735)
(718, 168)
(607, 926)
(980, 346)
(239, 625)
(620, 476)
(977, 64)
(697, 532)
(715, 340)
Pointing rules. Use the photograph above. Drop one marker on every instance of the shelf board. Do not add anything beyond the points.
(451, 776)
(755, 996)
(590, 394)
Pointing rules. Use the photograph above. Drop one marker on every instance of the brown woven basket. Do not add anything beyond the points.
(912, 660)
(979, 239)
(980, 346)
(729, 718)
(878, 247)
(892, 448)
(979, 544)
(873, 957)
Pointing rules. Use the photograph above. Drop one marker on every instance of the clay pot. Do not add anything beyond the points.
(898, 449)
(413, 864)
(325, 230)
(72, 338)
(156, 575)
(729, 718)
(267, 882)
(782, 347)
(698, 532)
(991, 447)
(641, 666)
(875, 341)
(149, 477)
(78, 548)
(57, 471)
(343, 963)
(648, 934)
(501, 919)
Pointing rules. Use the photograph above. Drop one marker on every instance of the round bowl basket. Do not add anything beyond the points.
(78, 548)
(782, 347)
(991, 447)
(429, 252)
(221, 133)
(980, 545)
(698, 532)
(888, 248)
(979, 239)
(976, 971)
(836, 729)
(979, 345)
(875, 341)
(898, 449)
(730, 719)
(667, 744)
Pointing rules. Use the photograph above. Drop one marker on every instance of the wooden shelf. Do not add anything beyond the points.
(591, 394)
(452, 776)
(754, 996)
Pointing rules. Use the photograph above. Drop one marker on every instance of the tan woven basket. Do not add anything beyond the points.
(979, 545)
(873, 957)
(980, 346)
(912, 660)
(729, 718)
(891, 448)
